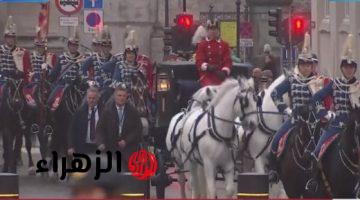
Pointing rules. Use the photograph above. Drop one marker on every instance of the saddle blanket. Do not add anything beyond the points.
(326, 145)
(56, 98)
(282, 144)
(29, 92)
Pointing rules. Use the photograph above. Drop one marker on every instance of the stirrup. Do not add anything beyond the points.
(273, 176)
(312, 185)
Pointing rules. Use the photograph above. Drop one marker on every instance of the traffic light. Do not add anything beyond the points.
(184, 20)
(299, 25)
(182, 33)
(276, 22)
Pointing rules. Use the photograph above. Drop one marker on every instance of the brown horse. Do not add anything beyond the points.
(294, 167)
(339, 176)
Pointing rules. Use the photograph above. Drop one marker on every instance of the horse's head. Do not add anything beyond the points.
(247, 99)
(203, 96)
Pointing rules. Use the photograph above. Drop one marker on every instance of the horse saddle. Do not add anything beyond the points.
(326, 145)
(282, 143)
(56, 98)
(29, 94)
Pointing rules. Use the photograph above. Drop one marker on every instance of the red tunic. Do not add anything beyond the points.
(24, 62)
(145, 65)
(212, 52)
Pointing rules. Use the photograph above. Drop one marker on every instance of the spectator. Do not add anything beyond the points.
(119, 126)
(83, 127)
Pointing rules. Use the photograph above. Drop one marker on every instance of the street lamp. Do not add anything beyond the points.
(238, 3)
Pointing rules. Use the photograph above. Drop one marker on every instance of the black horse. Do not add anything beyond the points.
(62, 116)
(13, 123)
(294, 166)
(39, 122)
(339, 176)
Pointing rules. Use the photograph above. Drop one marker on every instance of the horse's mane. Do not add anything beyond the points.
(222, 89)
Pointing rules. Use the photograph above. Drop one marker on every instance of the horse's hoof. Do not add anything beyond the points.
(32, 171)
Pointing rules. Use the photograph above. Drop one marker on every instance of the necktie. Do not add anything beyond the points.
(121, 116)
(92, 124)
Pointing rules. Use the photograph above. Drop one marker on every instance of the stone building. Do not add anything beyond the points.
(333, 21)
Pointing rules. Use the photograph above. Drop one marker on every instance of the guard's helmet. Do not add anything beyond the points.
(347, 57)
(10, 27)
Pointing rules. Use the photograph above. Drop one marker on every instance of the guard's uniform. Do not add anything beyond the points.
(65, 73)
(14, 64)
(212, 52)
(340, 90)
(300, 96)
(93, 70)
(38, 63)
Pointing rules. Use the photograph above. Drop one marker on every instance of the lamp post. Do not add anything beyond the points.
(238, 3)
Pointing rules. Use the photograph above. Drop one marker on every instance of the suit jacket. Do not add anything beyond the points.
(108, 129)
(79, 127)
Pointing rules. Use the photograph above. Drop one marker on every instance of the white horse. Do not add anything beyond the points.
(199, 100)
(259, 144)
(208, 135)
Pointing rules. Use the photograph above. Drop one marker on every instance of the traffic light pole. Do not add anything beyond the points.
(184, 5)
(238, 3)
(290, 38)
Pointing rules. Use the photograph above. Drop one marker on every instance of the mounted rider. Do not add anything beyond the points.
(213, 57)
(127, 70)
(42, 62)
(14, 61)
(95, 43)
(341, 90)
(300, 87)
(92, 68)
(66, 71)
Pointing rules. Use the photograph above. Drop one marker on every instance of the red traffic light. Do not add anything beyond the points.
(298, 24)
(185, 20)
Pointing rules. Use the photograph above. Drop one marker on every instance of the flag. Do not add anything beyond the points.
(44, 19)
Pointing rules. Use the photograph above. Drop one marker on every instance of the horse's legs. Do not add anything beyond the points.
(9, 153)
(229, 179)
(260, 163)
(182, 182)
(210, 171)
(195, 193)
(18, 145)
(7, 149)
(202, 180)
(28, 145)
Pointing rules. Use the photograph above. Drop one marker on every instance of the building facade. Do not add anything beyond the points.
(332, 22)
(147, 17)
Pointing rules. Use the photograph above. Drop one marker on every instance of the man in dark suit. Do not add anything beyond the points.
(82, 132)
(119, 127)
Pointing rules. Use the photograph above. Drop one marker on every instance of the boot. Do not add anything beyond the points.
(312, 184)
(273, 174)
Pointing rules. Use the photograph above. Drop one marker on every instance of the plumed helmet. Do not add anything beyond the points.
(347, 56)
(74, 38)
(106, 36)
(212, 23)
(10, 27)
(305, 55)
(131, 42)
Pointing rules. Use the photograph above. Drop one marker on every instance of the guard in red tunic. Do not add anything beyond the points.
(213, 57)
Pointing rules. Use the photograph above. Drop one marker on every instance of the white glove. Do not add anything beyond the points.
(288, 111)
(330, 115)
(44, 66)
(91, 83)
